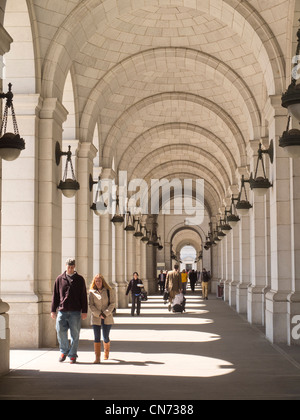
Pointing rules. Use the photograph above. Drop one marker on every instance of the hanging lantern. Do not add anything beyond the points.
(261, 185)
(11, 144)
(68, 186)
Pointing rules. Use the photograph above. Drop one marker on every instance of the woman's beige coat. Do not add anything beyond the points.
(98, 302)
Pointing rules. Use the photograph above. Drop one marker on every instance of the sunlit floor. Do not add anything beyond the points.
(209, 352)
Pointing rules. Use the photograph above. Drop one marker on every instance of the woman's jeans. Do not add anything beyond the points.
(105, 332)
(136, 302)
(68, 321)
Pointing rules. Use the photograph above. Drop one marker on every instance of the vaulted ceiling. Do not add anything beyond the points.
(175, 88)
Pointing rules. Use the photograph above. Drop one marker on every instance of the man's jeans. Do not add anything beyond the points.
(64, 322)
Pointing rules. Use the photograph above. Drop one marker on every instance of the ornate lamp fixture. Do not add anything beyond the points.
(11, 144)
(118, 219)
(146, 237)
(68, 186)
(260, 185)
(138, 233)
(160, 245)
(232, 217)
(243, 205)
(97, 206)
(290, 141)
(129, 223)
(224, 225)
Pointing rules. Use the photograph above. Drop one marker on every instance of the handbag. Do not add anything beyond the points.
(166, 295)
(144, 296)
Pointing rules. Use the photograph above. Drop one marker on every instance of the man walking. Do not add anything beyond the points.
(173, 284)
(70, 300)
(161, 281)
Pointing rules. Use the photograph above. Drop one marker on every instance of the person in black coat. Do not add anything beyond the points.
(135, 286)
(193, 279)
(162, 281)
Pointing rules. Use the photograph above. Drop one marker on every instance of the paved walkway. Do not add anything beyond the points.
(208, 353)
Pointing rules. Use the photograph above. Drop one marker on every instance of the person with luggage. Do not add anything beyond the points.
(173, 284)
(179, 302)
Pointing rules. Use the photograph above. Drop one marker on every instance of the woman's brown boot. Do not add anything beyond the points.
(97, 347)
(106, 350)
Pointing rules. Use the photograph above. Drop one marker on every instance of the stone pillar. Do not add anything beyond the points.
(228, 261)
(84, 220)
(214, 263)
(258, 254)
(52, 116)
(242, 287)
(277, 303)
(143, 275)
(5, 41)
(19, 220)
(294, 297)
(235, 266)
(69, 212)
(120, 265)
(130, 255)
(107, 176)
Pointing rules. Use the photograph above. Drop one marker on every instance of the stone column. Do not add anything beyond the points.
(294, 297)
(258, 254)
(147, 284)
(277, 303)
(69, 212)
(242, 287)
(84, 220)
(214, 263)
(52, 116)
(120, 265)
(19, 220)
(107, 176)
(235, 266)
(5, 41)
(130, 254)
(228, 261)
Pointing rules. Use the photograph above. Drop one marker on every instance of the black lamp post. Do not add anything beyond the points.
(11, 144)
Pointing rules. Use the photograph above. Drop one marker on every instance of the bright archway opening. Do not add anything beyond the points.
(188, 258)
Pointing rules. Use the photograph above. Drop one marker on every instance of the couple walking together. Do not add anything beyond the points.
(70, 306)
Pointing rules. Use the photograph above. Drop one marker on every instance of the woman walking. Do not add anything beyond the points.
(102, 302)
(135, 286)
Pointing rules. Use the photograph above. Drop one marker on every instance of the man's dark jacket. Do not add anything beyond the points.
(70, 294)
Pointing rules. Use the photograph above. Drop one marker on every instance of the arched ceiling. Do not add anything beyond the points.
(175, 88)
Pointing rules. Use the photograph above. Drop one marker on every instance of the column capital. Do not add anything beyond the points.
(108, 173)
(273, 108)
(53, 109)
(86, 150)
(5, 41)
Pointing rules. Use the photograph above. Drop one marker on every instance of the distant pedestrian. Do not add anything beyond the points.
(102, 302)
(184, 279)
(193, 279)
(205, 278)
(161, 281)
(135, 286)
(70, 300)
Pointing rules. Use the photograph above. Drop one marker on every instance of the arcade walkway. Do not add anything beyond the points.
(208, 353)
